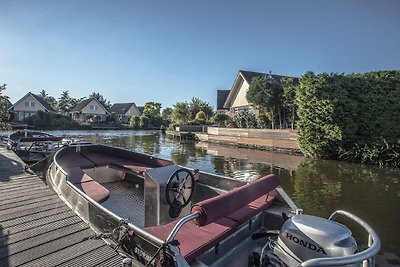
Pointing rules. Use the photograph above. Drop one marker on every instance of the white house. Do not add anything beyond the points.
(124, 111)
(89, 110)
(236, 101)
(28, 105)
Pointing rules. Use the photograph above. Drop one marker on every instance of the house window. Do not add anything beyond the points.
(94, 107)
(29, 104)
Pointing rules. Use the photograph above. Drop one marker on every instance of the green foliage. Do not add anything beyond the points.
(263, 121)
(66, 103)
(289, 98)
(201, 115)
(135, 122)
(52, 121)
(49, 99)
(4, 115)
(198, 105)
(219, 118)
(101, 99)
(144, 122)
(244, 120)
(267, 94)
(352, 117)
(152, 110)
(180, 114)
(167, 116)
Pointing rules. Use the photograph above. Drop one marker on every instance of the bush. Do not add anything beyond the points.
(144, 122)
(52, 121)
(352, 117)
(135, 122)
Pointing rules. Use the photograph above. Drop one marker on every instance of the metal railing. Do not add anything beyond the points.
(366, 257)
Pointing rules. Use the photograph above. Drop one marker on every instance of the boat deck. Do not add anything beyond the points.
(38, 229)
(126, 200)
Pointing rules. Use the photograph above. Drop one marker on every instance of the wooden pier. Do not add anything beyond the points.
(38, 229)
(182, 135)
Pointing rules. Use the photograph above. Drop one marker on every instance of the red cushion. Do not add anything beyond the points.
(76, 175)
(72, 160)
(133, 166)
(250, 210)
(94, 190)
(195, 240)
(220, 206)
(99, 159)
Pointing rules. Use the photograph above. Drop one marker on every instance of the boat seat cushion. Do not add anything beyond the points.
(99, 159)
(72, 160)
(225, 204)
(250, 210)
(94, 190)
(195, 240)
(76, 175)
(131, 165)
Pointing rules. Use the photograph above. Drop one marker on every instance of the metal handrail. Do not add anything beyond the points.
(367, 256)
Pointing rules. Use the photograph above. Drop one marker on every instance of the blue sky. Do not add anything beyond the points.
(169, 51)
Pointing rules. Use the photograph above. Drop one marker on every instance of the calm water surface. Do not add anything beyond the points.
(319, 187)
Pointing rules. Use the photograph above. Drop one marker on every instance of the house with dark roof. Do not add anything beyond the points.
(28, 105)
(222, 95)
(141, 109)
(236, 100)
(89, 110)
(124, 111)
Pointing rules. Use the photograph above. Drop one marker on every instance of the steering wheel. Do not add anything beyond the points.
(180, 188)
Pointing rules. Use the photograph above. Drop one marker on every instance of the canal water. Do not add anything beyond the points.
(317, 186)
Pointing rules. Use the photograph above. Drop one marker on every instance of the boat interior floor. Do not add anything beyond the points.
(126, 200)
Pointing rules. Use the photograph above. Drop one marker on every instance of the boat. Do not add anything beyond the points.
(33, 146)
(157, 213)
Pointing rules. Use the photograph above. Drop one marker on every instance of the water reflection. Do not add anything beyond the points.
(319, 187)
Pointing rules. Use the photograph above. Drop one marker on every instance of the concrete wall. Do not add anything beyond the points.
(258, 138)
(191, 128)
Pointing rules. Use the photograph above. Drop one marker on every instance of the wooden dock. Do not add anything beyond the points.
(38, 229)
(181, 135)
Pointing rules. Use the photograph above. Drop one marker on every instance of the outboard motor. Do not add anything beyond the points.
(303, 237)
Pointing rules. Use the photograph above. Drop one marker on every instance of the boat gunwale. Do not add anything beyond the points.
(137, 230)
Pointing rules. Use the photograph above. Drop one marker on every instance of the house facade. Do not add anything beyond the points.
(124, 111)
(28, 105)
(236, 101)
(89, 110)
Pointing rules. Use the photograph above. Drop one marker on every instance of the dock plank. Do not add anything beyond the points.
(38, 229)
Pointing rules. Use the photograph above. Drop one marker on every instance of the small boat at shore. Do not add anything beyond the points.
(33, 146)
(161, 214)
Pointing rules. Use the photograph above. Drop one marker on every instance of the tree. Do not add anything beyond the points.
(167, 115)
(266, 93)
(49, 99)
(144, 122)
(101, 99)
(198, 105)
(220, 118)
(64, 102)
(135, 122)
(180, 114)
(4, 115)
(152, 109)
(289, 97)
